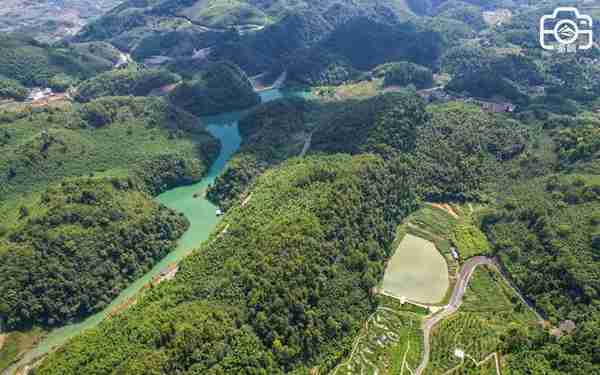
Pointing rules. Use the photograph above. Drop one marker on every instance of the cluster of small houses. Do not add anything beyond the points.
(38, 93)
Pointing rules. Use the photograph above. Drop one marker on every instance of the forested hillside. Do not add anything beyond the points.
(547, 234)
(282, 290)
(35, 64)
(133, 16)
(102, 224)
(271, 133)
(446, 110)
(256, 36)
(452, 152)
(116, 135)
(221, 87)
(136, 82)
(75, 246)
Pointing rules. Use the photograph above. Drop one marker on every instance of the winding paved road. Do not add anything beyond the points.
(455, 301)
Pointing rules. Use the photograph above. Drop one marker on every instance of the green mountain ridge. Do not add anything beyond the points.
(445, 113)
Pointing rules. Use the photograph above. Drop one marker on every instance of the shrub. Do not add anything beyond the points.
(12, 89)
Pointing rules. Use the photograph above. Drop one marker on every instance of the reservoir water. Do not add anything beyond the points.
(199, 211)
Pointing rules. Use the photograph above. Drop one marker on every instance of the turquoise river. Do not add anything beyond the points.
(199, 211)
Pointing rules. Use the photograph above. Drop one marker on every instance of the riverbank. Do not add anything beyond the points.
(198, 210)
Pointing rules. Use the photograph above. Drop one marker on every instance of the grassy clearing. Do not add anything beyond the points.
(218, 13)
(417, 271)
(16, 343)
(490, 310)
(434, 220)
(390, 343)
(435, 225)
(470, 240)
(447, 226)
(445, 230)
(358, 90)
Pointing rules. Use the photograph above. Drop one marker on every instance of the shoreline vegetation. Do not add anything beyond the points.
(166, 273)
(436, 120)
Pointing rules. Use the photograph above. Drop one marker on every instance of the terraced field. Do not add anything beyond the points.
(466, 341)
(390, 343)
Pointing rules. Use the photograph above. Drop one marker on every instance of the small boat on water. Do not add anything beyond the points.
(219, 212)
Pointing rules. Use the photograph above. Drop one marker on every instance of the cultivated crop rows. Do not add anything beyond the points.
(390, 343)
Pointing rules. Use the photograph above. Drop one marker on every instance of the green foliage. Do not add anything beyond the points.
(464, 58)
(124, 82)
(453, 153)
(287, 264)
(34, 64)
(461, 150)
(482, 74)
(319, 67)
(538, 352)
(11, 89)
(175, 43)
(385, 124)
(86, 241)
(390, 341)
(222, 87)
(469, 240)
(544, 237)
(462, 11)
(271, 133)
(100, 50)
(381, 43)
(574, 79)
(166, 171)
(113, 135)
(454, 32)
(577, 140)
(483, 84)
(62, 82)
(404, 74)
(489, 315)
(218, 13)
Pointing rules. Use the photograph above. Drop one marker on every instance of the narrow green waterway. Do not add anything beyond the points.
(199, 211)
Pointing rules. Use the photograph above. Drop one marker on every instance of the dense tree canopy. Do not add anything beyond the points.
(11, 89)
(116, 134)
(33, 64)
(545, 236)
(136, 82)
(222, 87)
(404, 74)
(295, 266)
(84, 241)
(271, 133)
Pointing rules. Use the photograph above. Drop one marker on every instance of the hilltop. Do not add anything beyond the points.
(50, 20)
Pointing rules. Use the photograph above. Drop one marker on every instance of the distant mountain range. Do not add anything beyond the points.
(50, 20)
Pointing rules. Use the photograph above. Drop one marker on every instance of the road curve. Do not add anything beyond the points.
(458, 293)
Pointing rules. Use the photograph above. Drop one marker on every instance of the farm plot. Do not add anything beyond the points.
(416, 271)
(466, 341)
(390, 343)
